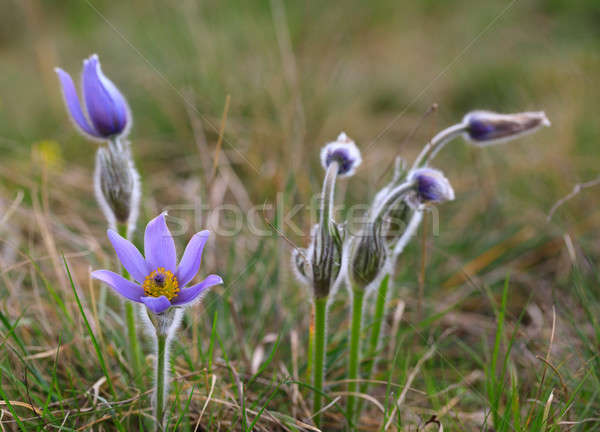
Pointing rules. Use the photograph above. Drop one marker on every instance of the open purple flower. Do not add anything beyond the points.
(106, 108)
(161, 283)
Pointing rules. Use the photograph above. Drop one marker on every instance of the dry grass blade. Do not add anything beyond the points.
(546, 363)
(21, 404)
(221, 133)
(206, 402)
(576, 190)
(409, 381)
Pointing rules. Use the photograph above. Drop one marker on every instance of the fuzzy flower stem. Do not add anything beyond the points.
(134, 347)
(310, 356)
(437, 143)
(358, 296)
(159, 390)
(390, 201)
(320, 306)
(320, 349)
(328, 194)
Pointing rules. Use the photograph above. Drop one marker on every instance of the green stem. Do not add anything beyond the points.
(319, 363)
(134, 347)
(311, 345)
(357, 309)
(159, 395)
(375, 336)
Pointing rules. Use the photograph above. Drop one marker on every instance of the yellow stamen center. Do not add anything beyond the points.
(161, 282)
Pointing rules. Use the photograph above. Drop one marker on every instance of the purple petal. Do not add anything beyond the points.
(190, 262)
(127, 289)
(159, 247)
(188, 295)
(130, 257)
(105, 105)
(157, 304)
(72, 103)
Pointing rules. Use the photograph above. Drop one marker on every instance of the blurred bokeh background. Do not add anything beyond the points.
(297, 73)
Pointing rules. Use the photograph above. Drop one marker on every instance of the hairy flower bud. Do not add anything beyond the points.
(368, 255)
(301, 265)
(325, 255)
(486, 127)
(344, 152)
(320, 265)
(431, 187)
(116, 183)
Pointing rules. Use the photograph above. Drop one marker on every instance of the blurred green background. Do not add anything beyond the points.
(297, 73)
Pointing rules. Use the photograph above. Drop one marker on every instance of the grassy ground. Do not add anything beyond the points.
(493, 321)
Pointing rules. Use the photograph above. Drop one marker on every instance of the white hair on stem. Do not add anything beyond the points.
(167, 324)
(136, 194)
(109, 215)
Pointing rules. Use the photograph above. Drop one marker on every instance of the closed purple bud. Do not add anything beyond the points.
(431, 186)
(486, 127)
(107, 113)
(344, 152)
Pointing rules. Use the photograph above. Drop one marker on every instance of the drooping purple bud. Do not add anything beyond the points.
(107, 111)
(431, 187)
(486, 127)
(344, 152)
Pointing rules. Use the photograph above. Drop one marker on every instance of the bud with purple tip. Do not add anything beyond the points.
(106, 111)
(320, 264)
(486, 127)
(344, 152)
(431, 186)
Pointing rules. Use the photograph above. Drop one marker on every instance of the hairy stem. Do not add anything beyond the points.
(396, 194)
(159, 390)
(437, 143)
(311, 345)
(357, 309)
(320, 349)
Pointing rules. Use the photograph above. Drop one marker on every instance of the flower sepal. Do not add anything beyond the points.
(163, 322)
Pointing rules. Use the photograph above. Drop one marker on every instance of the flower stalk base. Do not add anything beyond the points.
(320, 349)
(357, 311)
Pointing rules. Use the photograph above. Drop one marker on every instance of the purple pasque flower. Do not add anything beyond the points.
(487, 127)
(343, 151)
(159, 282)
(431, 186)
(107, 113)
